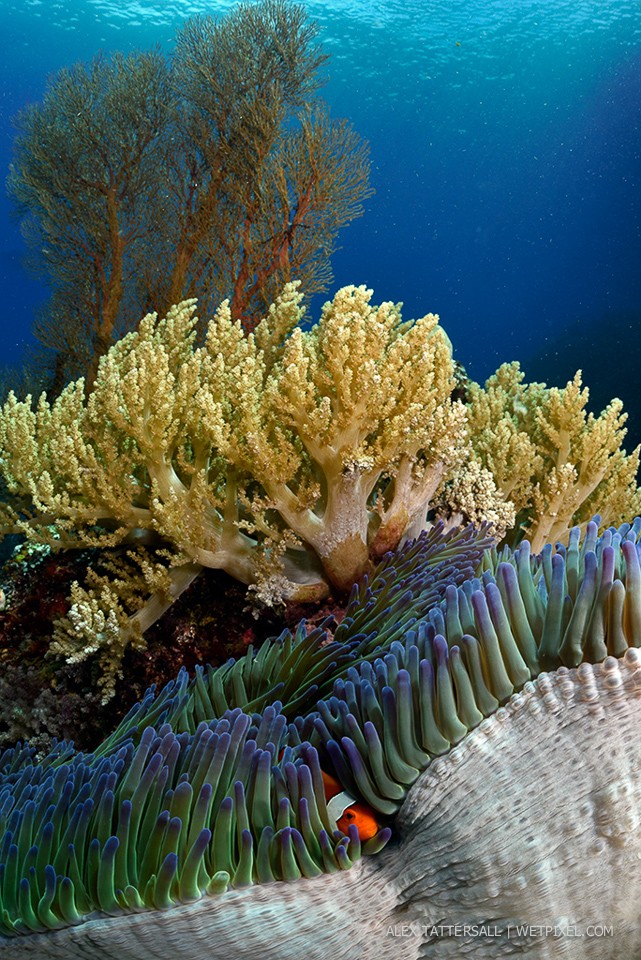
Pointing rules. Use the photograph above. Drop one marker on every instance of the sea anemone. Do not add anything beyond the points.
(204, 817)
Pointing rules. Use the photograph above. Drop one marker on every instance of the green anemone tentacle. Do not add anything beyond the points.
(195, 793)
(566, 606)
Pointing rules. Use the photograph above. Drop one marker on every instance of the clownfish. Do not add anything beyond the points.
(345, 809)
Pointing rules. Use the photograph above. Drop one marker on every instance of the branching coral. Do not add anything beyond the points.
(188, 797)
(221, 449)
(557, 464)
(290, 459)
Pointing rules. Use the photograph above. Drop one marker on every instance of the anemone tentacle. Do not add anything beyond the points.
(455, 881)
(177, 818)
(297, 669)
(215, 787)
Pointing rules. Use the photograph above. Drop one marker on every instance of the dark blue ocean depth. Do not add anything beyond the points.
(506, 157)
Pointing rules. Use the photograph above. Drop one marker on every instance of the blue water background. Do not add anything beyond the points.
(506, 157)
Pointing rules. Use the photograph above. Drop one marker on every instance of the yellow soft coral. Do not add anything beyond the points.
(130, 591)
(287, 456)
(290, 459)
(556, 462)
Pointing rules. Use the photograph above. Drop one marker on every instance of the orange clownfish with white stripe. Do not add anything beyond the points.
(345, 809)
